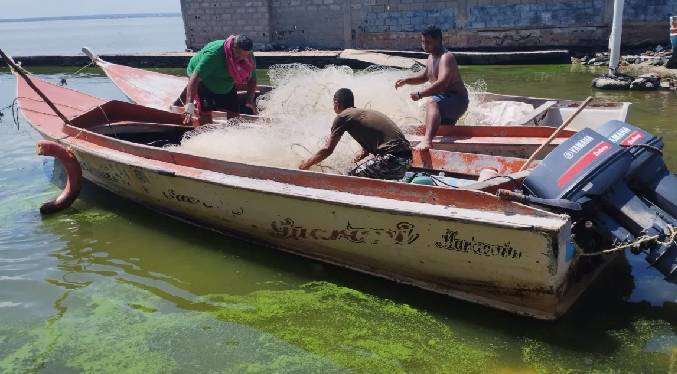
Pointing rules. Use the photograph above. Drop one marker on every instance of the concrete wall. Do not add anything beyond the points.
(394, 24)
(207, 20)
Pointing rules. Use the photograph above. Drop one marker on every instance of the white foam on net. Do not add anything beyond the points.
(297, 116)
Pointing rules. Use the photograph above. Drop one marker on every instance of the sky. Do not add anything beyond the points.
(58, 8)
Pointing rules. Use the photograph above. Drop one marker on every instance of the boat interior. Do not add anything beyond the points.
(131, 124)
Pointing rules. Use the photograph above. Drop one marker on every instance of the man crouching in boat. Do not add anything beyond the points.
(375, 132)
(447, 92)
(217, 71)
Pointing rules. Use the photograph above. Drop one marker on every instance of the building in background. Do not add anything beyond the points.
(394, 24)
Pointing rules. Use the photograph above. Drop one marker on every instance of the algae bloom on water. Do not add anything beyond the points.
(338, 323)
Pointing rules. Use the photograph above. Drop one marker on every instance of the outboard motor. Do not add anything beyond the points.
(591, 170)
(648, 173)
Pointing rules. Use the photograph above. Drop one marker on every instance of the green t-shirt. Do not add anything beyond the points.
(210, 64)
(375, 132)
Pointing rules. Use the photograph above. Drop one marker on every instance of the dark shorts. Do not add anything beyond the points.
(452, 106)
(220, 102)
(387, 166)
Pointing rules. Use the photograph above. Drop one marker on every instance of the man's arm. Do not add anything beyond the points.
(191, 88)
(419, 78)
(322, 154)
(251, 95)
(447, 75)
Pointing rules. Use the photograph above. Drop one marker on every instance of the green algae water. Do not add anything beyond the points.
(108, 286)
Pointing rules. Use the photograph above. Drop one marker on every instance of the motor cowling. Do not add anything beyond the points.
(648, 172)
(613, 184)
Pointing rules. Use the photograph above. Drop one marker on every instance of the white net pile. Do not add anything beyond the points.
(298, 113)
(302, 89)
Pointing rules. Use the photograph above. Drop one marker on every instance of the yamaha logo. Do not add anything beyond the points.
(577, 147)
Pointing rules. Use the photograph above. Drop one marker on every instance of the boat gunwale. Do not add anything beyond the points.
(541, 214)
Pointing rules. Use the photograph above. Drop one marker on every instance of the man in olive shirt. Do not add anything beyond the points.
(376, 133)
(212, 79)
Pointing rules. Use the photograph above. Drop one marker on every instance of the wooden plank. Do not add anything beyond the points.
(379, 59)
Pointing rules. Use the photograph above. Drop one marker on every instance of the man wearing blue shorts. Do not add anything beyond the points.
(447, 92)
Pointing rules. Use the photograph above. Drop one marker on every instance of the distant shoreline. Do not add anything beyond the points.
(89, 17)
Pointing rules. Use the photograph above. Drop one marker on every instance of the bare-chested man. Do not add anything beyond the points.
(447, 92)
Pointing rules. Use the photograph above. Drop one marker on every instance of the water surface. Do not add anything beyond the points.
(108, 286)
(116, 36)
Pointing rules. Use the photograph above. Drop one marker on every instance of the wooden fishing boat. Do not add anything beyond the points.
(160, 91)
(463, 242)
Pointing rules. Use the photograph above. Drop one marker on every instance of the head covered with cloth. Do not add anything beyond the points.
(216, 72)
(239, 58)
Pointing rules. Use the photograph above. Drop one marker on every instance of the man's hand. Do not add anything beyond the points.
(423, 146)
(188, 111)
(304, 165)
(400, 83)
(361, 155)
(415, 96)
(252, 105)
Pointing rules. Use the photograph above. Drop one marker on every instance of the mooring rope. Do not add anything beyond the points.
(642, 239)
(64, 81)
(15, 112)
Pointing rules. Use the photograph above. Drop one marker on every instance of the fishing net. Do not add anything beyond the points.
(299, 111)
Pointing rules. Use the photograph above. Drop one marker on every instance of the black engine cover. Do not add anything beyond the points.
(585, 164)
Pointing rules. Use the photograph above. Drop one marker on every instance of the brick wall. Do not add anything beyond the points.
(394, 24)
(207, 20)
(648, 10)
(317, 23)
(535, 14)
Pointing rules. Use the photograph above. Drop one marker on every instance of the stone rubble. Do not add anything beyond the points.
(650, 70)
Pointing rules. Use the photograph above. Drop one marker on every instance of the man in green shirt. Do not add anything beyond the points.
(215, 73)
(375, 132)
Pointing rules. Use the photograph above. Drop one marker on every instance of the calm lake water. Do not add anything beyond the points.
(108, 286)
(67, 37)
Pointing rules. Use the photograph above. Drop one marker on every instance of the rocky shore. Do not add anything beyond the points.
(649, 70)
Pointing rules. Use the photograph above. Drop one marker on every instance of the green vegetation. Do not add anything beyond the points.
(338, 323)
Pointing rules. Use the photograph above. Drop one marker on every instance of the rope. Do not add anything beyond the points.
(55, 103)
(642, 239)
(15, 112)
(435, 178)
(68, 76)
(648, 146)
(115, 133)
